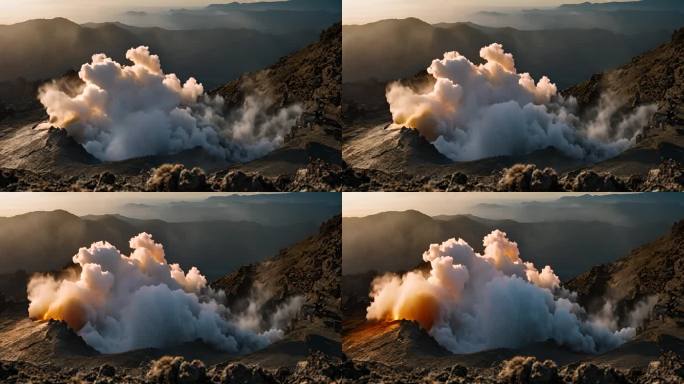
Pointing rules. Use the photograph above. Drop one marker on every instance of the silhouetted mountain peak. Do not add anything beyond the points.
(58, 214)
(408, 215)
(60, 22)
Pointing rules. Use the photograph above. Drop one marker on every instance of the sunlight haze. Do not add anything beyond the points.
(434, 11)
(81, 11)
(17, 203)
(357, 204)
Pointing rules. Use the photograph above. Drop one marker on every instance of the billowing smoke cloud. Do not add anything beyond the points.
(120, 303)
(471, 302)
(127, 111)
(478, 111)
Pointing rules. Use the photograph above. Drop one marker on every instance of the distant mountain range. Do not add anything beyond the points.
(279, 17)
(265, 209)
(632, 210)
(290, 5)
(46, 241)
(44, 49)
(639, 5)
(397, 240)
(566, 55)
(628, 17)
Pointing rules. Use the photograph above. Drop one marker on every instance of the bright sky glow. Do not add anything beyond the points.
(16, 203)
(358, 204)
(81, 11)
(434, 11)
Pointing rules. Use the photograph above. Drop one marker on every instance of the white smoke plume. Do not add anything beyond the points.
(123, 302)
(640, 312)
(252, 317)
(471, 302)
(128, 111)
(479, 111)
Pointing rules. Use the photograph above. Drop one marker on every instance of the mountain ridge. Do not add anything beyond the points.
(65, 233)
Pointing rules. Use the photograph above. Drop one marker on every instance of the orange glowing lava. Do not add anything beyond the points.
(421, 307)
(70, 311)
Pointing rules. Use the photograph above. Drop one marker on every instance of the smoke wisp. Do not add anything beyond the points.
(471, 302)
(123, 302)
(128, 111)
(479, 111)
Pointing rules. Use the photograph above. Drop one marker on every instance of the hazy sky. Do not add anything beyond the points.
(434, 11)
(12, 11)
(15, 203)
(433, 204)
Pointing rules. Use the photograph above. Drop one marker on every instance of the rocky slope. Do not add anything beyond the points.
(310, 269)
(656, 77)
(653, 270)
(310, 78)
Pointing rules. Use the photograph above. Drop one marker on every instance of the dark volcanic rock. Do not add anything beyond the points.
(528, 370)
(528, 178)
(321, 368)
(237, 373)
(107, 371)
(176, 370)
(7, 370)
(669, 176)
(238, 181)
(588, 373)
(8, 178)
(590, 181)
(176, 178)
(668, 369)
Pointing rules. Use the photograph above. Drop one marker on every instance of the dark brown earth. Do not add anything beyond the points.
(49, 160)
